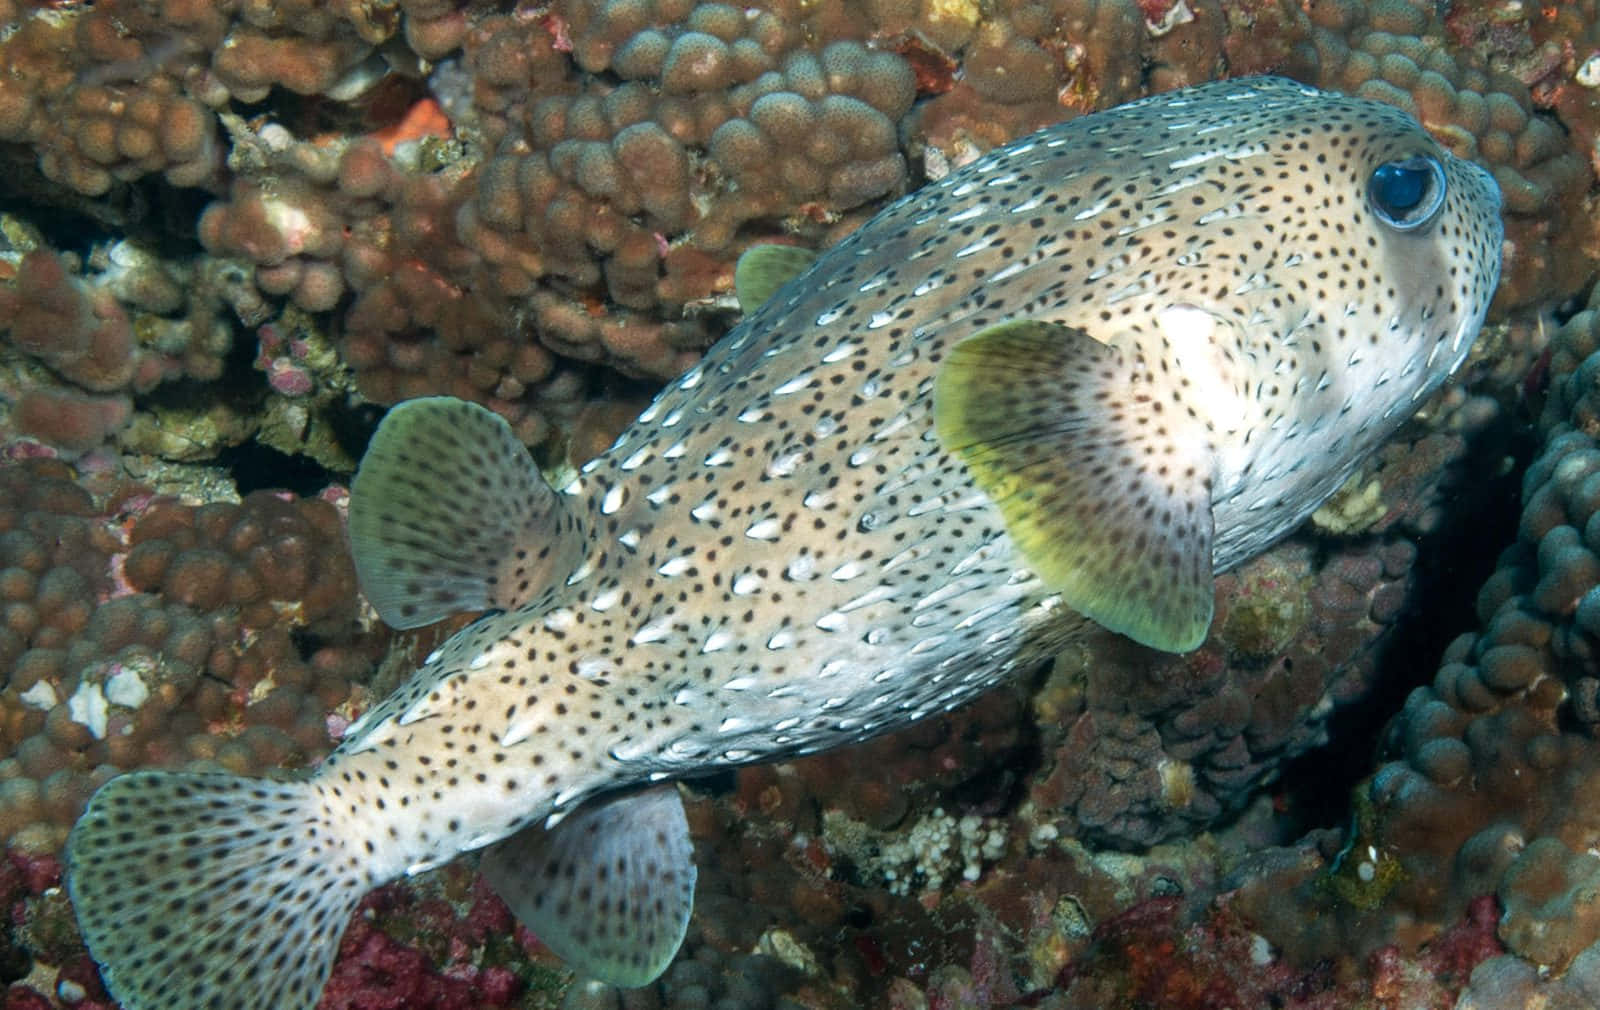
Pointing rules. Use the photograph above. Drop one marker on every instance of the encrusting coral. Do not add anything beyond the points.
(147, 632)
(492, 202)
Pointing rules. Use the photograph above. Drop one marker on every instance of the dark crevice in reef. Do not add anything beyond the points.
(255, 467)
(148, 212)
(353, 424)
(1483, 507)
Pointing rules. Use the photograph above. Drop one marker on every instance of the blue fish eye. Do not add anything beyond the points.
(1408, 193)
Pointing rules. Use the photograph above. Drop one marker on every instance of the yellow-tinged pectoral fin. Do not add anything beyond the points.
(1066, 439)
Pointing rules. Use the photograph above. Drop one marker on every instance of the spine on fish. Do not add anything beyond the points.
(213, 891)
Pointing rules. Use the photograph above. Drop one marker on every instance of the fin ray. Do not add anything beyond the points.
(210, 892)
(448, 514)
(1107, 500)
(610, 888)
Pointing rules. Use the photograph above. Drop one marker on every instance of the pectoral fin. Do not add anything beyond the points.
(1105, 491)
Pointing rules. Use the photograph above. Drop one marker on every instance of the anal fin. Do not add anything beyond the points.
(609, 889)
(448, 514)
(1104, 488)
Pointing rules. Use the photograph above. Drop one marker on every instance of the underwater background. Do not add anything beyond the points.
(233, 231)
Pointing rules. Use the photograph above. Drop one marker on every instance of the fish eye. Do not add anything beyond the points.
(1408, 193)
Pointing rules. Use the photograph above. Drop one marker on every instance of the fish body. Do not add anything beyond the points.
(1068, 382)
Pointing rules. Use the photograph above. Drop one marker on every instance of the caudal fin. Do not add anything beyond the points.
(210, 892)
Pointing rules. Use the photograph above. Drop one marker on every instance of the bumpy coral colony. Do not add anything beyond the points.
(232, 234)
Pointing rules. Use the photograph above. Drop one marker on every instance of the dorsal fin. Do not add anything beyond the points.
(448, 514)
(1105, 493)
(609, 888)
(763, 269)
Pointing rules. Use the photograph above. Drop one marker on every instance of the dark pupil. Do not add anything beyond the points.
(1399, 188)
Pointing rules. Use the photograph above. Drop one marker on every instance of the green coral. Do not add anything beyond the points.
(300, 425)
(48, 930)
(1268, 610)
(185, 432)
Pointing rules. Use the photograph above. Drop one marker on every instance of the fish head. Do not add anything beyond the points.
(1432, 221)
(1248, 287)
(1346, 262)
(1388, 253)
(1341, 221)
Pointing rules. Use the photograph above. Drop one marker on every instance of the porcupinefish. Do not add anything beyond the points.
(1066, 383)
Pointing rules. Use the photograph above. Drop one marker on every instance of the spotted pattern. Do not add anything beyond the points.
(210, 891)
(613, 885)
(417, 560)
(780, 556)
(1021, 405)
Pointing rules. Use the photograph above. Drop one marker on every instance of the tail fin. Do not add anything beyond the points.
(210, 892)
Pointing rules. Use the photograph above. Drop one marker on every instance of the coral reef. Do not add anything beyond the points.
(127, 324)
(451, 945)
(231, 225)
(1481, 790)
(141, 631)
(1146, 747)
(493, 204)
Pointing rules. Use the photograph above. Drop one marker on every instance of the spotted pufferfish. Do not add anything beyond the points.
(1067, 383)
